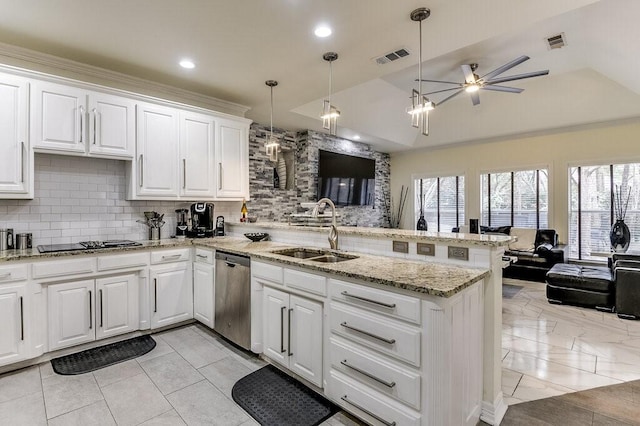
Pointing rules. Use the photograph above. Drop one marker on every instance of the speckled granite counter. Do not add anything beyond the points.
(387, 233)
(422, 277)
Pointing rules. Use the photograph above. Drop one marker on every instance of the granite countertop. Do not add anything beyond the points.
(388, 233)
(435, 279)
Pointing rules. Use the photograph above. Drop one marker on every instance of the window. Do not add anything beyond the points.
(518, 198)
(591, 207)
(442, 200)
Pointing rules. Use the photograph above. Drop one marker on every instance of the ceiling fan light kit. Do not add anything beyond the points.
(272, 145)
(330, 113)
(420, 104)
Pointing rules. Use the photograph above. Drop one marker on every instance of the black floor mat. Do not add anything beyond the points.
(103, 356)
(274, 399)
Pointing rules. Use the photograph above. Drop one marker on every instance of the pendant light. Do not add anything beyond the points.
(330, 113)
(272, 145)
(420, 104)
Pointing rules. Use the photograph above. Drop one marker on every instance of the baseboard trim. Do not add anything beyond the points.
(492, 413)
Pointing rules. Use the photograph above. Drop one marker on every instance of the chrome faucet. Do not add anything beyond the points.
(333, 233)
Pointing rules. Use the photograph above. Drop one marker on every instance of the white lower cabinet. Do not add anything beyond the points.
(13, 335)
(203, 288)
(293, 333)
(171, 294)
(86, 310)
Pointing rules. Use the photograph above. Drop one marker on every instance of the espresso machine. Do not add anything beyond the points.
(202, 221)
(181, 222)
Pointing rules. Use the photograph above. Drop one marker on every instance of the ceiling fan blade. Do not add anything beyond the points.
(450, 97)
(468, 74)
(517, 77)
(503, 89)
(504, 68)
(475, 98)
(443, 90)
(439, 81)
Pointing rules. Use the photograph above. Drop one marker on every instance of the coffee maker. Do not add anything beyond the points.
(202, 221)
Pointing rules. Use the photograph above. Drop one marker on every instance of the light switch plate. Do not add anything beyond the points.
(426, 249)
(401, 246)
(459, 253)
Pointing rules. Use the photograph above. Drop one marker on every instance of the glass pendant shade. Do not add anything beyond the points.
(330, 113)
(272, 146)
(420, 104)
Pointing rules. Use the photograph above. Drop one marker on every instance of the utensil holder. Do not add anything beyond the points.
(23, 241)
(154, 233)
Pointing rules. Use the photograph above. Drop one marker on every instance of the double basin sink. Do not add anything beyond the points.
(315, 255)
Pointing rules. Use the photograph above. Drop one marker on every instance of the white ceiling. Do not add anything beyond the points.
(237, 45)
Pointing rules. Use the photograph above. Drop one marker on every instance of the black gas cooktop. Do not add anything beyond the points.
(86, 245)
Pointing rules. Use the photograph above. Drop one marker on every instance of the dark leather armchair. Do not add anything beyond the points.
(626, 276)
(534, 265)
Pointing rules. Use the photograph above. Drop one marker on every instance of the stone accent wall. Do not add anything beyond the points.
(272, 204)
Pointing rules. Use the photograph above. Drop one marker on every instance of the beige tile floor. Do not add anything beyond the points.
(186, 379)
(551, 350)
(548, 350)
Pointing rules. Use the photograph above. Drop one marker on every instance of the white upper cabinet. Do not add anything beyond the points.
(16, 159)
(155, 168)
(196, 155)
(70, 120)
(232, 160)
(112, 126)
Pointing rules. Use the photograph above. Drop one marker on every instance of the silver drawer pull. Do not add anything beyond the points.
(173, 256)
(369, 375)
(366, 333)
(364, 299)
(364, 410)
(5, 276)
(202, 256)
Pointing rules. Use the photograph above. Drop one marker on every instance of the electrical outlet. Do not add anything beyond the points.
(401, 246)
(459, 253)
(426, 249)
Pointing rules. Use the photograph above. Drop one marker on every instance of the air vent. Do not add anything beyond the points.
(557, 41)
(391, 56)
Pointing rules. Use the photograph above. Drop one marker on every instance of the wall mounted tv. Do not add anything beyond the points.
(346, 180)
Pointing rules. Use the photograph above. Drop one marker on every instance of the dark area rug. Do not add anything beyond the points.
(273, 398)
(509, 290)
(103, 356)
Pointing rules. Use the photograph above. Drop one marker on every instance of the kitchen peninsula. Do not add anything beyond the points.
(427, 316)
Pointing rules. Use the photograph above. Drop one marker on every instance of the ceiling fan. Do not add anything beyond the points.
(472, 83)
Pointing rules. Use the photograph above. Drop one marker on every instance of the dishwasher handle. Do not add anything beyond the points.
(232, 259)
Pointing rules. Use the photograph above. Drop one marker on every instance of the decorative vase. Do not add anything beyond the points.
(282, 172)
(422, 224)
(620, 236)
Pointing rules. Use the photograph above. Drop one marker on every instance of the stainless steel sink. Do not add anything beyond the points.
(315, 255)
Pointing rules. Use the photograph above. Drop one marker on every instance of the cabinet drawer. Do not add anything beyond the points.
(13, 273)
(372, 370)
(204, 256)
(375, 331)
(384, 302)
(268, 272)
(368, 404)
(304, 281)
(122, 261)
(64, 268)
(168, 256)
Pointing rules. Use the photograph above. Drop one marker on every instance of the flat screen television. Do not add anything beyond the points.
(346, 180)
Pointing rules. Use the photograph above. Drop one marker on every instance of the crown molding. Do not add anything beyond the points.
(44, 59)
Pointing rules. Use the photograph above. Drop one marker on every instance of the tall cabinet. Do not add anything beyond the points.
(16, 159)
(232, 160)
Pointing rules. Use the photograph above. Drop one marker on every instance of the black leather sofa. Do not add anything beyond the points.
(613, 288)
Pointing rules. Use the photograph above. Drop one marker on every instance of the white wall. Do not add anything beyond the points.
(78, 199)
(557, 152)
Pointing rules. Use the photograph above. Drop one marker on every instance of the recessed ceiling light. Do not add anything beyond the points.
(187, 63)
(322, 31)
(356, 138)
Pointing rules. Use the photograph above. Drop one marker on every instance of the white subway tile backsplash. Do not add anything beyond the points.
(84, 199)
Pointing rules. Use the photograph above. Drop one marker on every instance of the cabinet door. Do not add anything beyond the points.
(171, 294)
(71, 314)
(12, 316)
(155, 168)
(203, 293)
(276, 324)
(15, 157)
(196, 155)
(232, 152)
(117, 305)
(305, 346)
(111, 125)
(58, 120)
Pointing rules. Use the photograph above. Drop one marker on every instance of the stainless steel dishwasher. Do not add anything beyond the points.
(233, 298)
